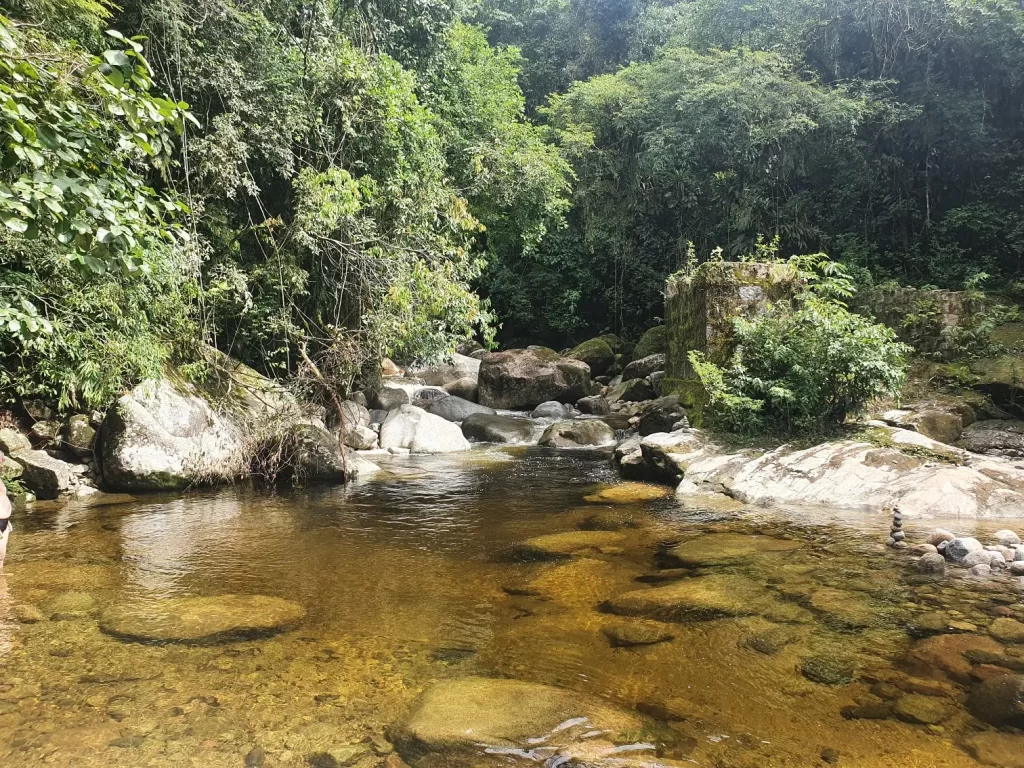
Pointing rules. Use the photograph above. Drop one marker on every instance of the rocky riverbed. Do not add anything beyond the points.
(523, 593)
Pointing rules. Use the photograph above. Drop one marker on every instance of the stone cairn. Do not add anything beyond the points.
(897, 538)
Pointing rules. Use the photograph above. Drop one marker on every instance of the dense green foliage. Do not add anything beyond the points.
(803, 366)
(887, 135)
(393, 176)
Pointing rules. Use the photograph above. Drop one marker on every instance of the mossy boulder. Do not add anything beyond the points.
(596, 353)
(654, 341)
(1002, 379)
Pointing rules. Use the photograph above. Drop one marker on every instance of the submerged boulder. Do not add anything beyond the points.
(495, 428)
(201, 620)
(477, 721)
(524, 378)
(578, 433)
(554, 546)
(417, 431)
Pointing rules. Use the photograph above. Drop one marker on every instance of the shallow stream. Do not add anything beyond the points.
(421, 576)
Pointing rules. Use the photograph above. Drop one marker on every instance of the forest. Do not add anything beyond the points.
(353, 180)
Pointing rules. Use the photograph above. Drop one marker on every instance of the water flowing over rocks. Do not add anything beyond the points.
(525, 378)
(201, 620)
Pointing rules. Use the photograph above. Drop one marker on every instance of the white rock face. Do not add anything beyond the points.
(163, 436)
(848, 474)
(417, 431)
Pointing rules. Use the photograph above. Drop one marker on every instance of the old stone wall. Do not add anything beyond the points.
(922, 318)
(700, 307)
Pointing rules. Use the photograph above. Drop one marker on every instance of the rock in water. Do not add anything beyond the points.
(1005, 750)
(957, 549)
(46, 476)
(525, 378)
(999, 701)
(628, 634)
(580, 433)
(552, 409)
(595, 405)
(716, 549)
(1006, 538)
(201, 620)
(554, 546)
(628, 493)
(701, 599)
(414, 429)
(495, 428)
(923, 710)
(462, 721)
(827, 670)
(456, 409)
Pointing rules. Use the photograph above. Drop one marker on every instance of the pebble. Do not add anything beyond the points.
(923, 549)
(1017, 567)
(940, 536)
(981, 571)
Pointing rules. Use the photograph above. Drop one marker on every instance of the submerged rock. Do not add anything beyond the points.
(725, 549)
(477, 721)
(1007, 630)
(828, 670)
(922, 710)
(495, 428)
(944, 656)
(999, 701)
(558, 545)
(417, 431)
(628, 493)
(579, 433)
(525, 378)
(703, 598)
(201, 620)
(1005, 750)
(628, 634)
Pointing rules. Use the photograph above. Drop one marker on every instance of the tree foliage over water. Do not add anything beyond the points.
(393, 176)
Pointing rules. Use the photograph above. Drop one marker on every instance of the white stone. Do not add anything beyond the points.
(1007, 538)
(414, 429)
(959, 548)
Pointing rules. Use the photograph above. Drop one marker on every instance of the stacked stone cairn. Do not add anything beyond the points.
(897, 538)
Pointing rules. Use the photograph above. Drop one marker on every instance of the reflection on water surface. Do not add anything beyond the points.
(720, 637)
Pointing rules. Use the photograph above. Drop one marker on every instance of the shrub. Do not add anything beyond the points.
(802, 367)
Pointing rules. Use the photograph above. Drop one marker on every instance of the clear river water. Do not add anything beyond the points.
(421, 576)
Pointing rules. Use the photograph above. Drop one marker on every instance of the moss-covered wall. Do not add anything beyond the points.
(700, 308)
(922, 318)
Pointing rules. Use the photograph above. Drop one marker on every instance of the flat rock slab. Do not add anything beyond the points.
(726, 548)
(628, 634)
(629, 493)
(464, 719)
(201, 620)
(847, 609)
(993, 748)
(569, 544)
(705, 598)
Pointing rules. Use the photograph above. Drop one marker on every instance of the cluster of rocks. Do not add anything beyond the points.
(1005, 555)
(55, 457)
(531, 396)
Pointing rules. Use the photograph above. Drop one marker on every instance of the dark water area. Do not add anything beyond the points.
(804, 648)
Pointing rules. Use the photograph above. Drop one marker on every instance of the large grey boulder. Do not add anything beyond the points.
(12, 440)
(466, 388)
(164, 436)
(595, 404)
(524, 378)
(488, 428)
(417, 431)
(456, 409)
(442, 374)
(477, 722)
(578, 433)
(644, 367)
(390, 397)
(168, 433)
(46, 476)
